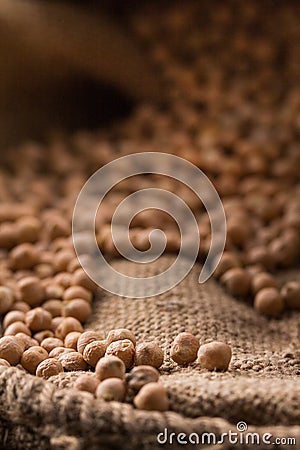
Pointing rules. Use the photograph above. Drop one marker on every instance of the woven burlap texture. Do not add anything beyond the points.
(261, 388)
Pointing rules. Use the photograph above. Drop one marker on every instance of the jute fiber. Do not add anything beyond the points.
(261, 388)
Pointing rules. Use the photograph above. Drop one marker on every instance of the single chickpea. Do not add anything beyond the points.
(63, 279)
(32, 357)
(32, 291)
(262, 280)
(94, 351)
(41, 335)
(55, 322)
(72, 361)
(237, 281)
(49, 368)
(184, 348)
(12, 317)
(149, 354)
(50, 343)
(80, 278)
(86, 338)
(54, 292)
(21, 306)
(111, 389)
(8, 236)
(141, 375)
(67, 325)
(269, 301)
(110, 367)
(291, 294)
(120, 334)
(62, 260)
(71, 339)
(28, 229)
(78, 308)
(124, 350)
(38, 319)
(17, 327)
(152, 397)
(214, 356)
(54, 307)
(74, 292)
(6, 299)
(10, 350)
(87, 382)
(24, 256)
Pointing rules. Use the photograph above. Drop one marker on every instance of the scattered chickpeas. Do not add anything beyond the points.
(10, 350)
(214, 356)
(149, 354)
(32, 357)
(123, 349)
(49, 368)
(87, 382)
(94, 351)
(110, 367)
(141, 375)
(6, 299)
(152, 397)
(269, 301)
(185, 348)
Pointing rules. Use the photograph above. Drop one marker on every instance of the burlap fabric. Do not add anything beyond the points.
(261, 388)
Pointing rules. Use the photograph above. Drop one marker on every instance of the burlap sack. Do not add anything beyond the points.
(261, 388)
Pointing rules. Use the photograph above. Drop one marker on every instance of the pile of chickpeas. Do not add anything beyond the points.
(231, 107)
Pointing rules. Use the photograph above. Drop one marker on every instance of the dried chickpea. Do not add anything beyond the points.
(32, 357)
(28, 229)
(149, 354)
(94, 351)
(86, 338)
(87, 382)
(123, 349)
(59, 350)
(54, 307)
(53, 292)
(24, 256)
(111, 389)
(64, 279)
(41, 335)
(62, 260)
(110, 367)
(72, 361)
(120, 334)
(67, 325)
(38, 319)
(228, 261)
(17, 327)
(32, 291)
(237, 281)
(184, 348)
(141, 375)
(78, 308)
(152, 397)
(10, 349)
(55, 322)
(13, 316)
(71, 339)
(262, 280)
(50, 343)
(8, 236)
(4, 363)
(269, 301)
(291, 294)
(74, 292)
(80, 278)
(26, 341)
(214, 356)
(21, 306)
(44, 271)
(49, 368)
(6, 299)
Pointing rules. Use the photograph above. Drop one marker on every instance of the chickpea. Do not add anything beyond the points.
(49, 368)
(71, 339)
(50, 343)
(74, 292)
(72, 361)
(6, 299)
(79, 309)
(123, 349)
(291, 294)
(214, 356)
(24, 256)
(86, 338)
(66, 326)
(17, 327)
(32, 357)
(149, 354)
(269, 301)
(87, 382)
(12, 317)
(152, 397)
(141, 375)
(94, 351)
(32, 291)
(120, 334)
(185, 348)
(110, 367)
(10, 350)
(237, 281)
(38, 319)
(111, 389)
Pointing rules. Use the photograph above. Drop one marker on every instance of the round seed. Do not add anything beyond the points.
(49, 368)
(141, 375)
(149, 354)
(184, 348)
(87, 382)
(124, 350)
(291, 294)
(32, 357)
(94, 351)
(152, 397)
(110, 367)
(214, 356)
(111, 389)
(10, 350)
